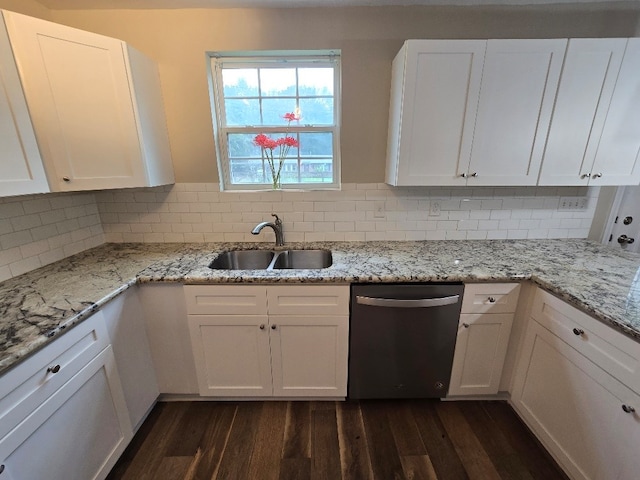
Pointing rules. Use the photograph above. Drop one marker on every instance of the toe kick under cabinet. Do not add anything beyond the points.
(269, 340)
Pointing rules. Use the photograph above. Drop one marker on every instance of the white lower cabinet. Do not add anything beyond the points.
(231, 354)
(483, 337)
(78, 432)
(481, 347)
(274, 344)
(583, 415)
(124, 319)
(165, 315)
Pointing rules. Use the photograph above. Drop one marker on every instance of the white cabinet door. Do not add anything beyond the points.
(434, 96)
(630, 430)
(232, 354)
(617, 160)
(572, 405)
(481, 347)
(84, 108)
(124, 319)
(78, 433)
(588, 78)
(309, 355)
(21, 169)
(519, 83)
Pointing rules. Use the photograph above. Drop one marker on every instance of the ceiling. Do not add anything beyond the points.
(148, 4)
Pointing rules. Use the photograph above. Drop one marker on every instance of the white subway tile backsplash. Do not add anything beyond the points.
(36, 230)
(40, 229)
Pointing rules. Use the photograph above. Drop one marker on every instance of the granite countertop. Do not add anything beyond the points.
(37, 306)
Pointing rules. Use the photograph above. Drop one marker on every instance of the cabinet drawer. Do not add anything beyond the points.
(610, 350)
(490, 297)
(226, 299)
(31, 382)
(308, 299)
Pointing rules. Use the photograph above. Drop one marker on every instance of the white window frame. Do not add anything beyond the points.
(216, 61)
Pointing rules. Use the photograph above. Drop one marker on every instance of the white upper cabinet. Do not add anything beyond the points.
(434, 96)
(595, 131)
(95, 104)
(617, 159)
(471, 112)
(21, 169)
(519, 83)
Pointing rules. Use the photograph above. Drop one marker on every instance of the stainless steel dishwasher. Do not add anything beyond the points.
(402, 338)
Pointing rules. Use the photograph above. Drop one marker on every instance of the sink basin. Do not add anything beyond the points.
(269, 260)
(243, 260)
(310, 259)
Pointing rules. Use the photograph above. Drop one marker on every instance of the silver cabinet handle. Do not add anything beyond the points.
(465, 325)
(463, 175)
(628, 409)
(53, 369)
(578, 331)
(418, 303)
(596, 175)
(474, 174)
(585, 175)
(491, 300)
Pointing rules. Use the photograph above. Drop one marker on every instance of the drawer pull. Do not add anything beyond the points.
(465, 325)
(578, 331)
(54, 369)
(273, 327)
(491, 300)
(1, 468)
(262, 326)
(628, 409)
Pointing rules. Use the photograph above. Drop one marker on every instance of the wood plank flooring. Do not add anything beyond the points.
(384, 440)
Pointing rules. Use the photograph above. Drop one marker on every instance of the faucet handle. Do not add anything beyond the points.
(278, 221)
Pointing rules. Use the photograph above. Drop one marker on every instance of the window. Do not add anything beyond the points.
(250, 94)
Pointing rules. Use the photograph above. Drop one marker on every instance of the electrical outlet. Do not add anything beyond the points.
(573, 203)
(378, 209)
(434, 208)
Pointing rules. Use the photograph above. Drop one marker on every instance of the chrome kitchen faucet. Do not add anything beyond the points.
(277, 228)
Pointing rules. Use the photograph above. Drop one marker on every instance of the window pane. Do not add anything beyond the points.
(316, 111)
(240, 82)
(241, 145)
(246, 171)
(274, 108)
(315, 81)
(316, 170)
(289, 173)
(316, 144)
(278, 82)
(242, 112)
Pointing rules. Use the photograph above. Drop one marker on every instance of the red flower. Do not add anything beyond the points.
(291, 116)
(288, 141)
(261, 140)
(268, 145)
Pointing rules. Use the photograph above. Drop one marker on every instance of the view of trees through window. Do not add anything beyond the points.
(255, 100)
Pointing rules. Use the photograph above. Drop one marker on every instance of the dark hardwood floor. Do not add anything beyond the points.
(385, 440)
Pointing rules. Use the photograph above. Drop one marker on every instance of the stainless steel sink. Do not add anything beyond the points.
(243, 260)
(269, 260)
(309, 259)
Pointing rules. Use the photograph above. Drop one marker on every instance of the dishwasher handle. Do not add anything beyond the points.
(417, 303)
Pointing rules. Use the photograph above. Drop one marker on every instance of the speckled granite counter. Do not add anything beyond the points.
(36, 306)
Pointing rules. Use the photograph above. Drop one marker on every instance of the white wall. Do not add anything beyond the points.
(199, 212)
